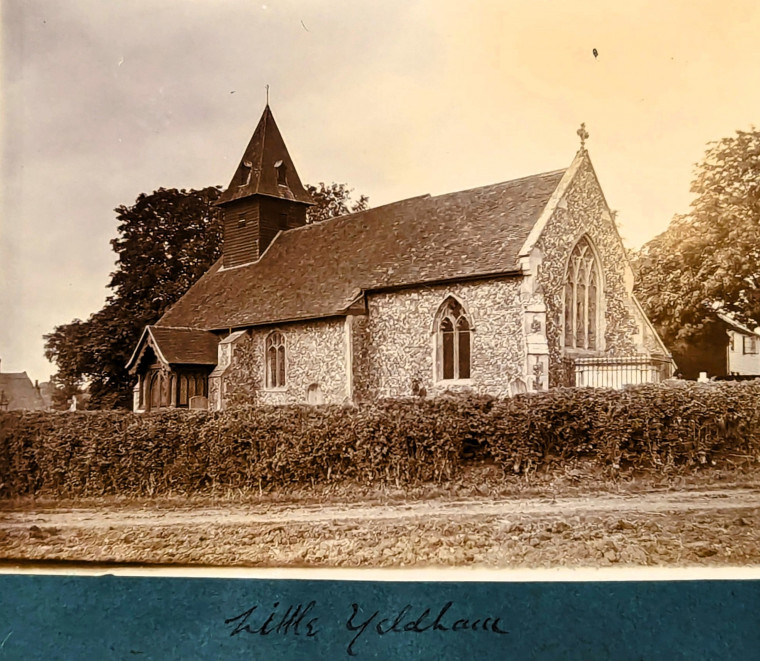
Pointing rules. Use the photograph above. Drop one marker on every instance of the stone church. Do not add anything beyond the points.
(512, 287)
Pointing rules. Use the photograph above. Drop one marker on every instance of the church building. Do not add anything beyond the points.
(512, 287)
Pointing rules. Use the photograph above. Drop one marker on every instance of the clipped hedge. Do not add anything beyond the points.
(399, 442)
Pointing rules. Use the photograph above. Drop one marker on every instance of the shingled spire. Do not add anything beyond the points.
(264, 196)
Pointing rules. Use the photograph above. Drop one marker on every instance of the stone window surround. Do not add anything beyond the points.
(267, 380)
(600, 307)
(437, 348)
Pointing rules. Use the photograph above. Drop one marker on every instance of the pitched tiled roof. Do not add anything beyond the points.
(186, 345)
(318, 270)
(16, 388)
(178, 346)
(257, 172)
(741, 328)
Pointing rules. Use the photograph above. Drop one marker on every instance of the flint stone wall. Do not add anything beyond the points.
(583, 210)
(315, 355)
(395, 341)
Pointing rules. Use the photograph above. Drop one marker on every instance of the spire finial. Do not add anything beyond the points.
(583, 135)
(267, 86)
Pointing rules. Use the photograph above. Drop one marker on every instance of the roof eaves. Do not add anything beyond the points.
(491, 275)
(133, 357)
(235, 198)
(736, 325)
(277, 322)
(651, 326)
(157, 347)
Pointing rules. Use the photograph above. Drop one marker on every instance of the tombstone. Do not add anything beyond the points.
(199, 403)
(518, 387)
(703, 377)
(314, 395)
(73, 403)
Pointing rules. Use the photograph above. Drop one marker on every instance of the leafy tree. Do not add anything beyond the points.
(333, 200)
(708, 259)
(69, 347)
(166, 240)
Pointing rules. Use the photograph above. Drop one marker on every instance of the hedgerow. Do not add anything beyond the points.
(402, 442)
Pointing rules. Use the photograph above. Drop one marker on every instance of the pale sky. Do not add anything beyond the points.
(105, 100)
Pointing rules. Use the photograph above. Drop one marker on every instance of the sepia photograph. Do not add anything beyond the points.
(380, 285)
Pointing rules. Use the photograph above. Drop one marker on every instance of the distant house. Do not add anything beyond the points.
(742, 349)
(17, 392)
(512, 287)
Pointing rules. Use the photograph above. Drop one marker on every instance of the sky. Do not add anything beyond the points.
(103, 101)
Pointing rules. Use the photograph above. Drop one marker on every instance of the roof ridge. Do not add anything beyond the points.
(353, 213)
(192, 328)
(501, 183)
(264, 122)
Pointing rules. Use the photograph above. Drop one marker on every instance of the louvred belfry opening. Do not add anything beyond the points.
(264, 196)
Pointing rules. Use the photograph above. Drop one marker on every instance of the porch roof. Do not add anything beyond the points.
(177, 346)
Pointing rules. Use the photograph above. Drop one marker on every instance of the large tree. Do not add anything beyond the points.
(708, 259)
(165, 242)
(331, 200)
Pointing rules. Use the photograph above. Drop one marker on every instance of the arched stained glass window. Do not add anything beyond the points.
(582, 298)
(453, 334)
(275, 360)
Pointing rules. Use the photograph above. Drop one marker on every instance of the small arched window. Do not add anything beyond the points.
(453, 342)
(275, 360)
(582, 298)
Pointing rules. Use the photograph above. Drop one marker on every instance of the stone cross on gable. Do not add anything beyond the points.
(583, 135)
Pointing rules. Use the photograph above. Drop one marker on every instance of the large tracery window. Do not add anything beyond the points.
(275, 360)
(453, 342)
(582, 298)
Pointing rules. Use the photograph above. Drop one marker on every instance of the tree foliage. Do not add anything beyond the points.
(165, 241)
(333, 200)
(708, 259)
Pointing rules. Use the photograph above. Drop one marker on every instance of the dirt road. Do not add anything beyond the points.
(267, 513)
(697, 526)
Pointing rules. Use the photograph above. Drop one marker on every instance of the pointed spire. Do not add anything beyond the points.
(266, 167)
